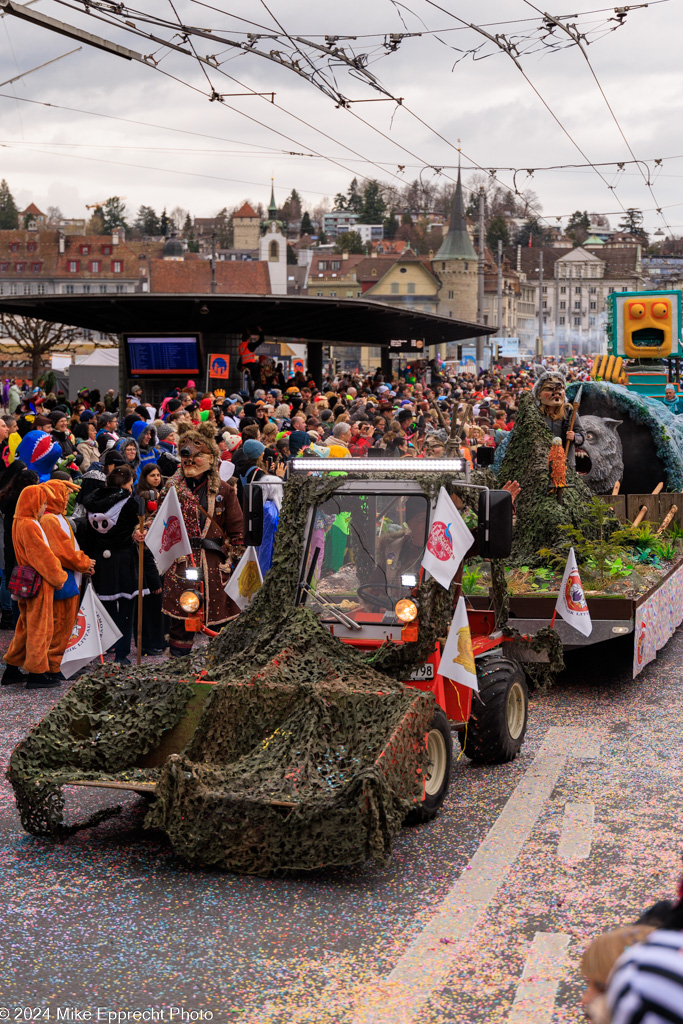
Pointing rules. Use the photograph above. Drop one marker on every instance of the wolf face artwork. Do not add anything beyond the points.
(600, 460)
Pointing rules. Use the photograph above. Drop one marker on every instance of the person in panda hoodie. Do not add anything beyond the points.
(109, 534)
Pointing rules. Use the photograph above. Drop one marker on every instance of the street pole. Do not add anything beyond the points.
(213, 264)
(480, 277)
(539, 352)
(500, 287)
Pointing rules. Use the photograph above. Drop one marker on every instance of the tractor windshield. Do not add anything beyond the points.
(364, 552)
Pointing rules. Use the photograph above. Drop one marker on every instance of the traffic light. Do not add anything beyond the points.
(648, 327)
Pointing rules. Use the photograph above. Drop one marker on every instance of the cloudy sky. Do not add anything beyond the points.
(203, 155)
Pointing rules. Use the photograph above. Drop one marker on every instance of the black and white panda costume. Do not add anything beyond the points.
(106, 534)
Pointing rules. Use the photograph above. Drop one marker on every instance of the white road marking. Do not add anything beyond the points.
(425, 966)
(535, 998)
(577, 832)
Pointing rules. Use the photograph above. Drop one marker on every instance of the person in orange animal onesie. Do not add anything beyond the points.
(35, 613)
(64, 545)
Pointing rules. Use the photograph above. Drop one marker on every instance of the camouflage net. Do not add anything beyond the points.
(303, 755)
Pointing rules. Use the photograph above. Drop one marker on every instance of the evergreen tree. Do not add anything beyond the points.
(306, 224)
(577, 228)
(147, 222)
(354, 199)
(292, 207)
(532, 229)
(373, 207)
(291, 257)
(351, 242)
(113, 214)
(390, 226)
(322, 237)
(9, 215)
(631, 222)
(164, 222)
(498, 229)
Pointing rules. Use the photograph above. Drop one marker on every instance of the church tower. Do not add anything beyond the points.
(455, 264)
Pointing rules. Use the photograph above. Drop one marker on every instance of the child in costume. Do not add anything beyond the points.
(63, 543)
(35, 613)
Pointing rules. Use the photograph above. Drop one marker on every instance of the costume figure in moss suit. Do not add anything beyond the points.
(549, 392)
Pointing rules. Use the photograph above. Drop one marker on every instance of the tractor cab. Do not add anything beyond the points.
(361, 572)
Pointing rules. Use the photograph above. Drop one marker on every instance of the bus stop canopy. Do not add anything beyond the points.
(304, 318)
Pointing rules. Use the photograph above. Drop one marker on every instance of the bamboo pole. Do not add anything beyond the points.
(615, 489)
(667, 519)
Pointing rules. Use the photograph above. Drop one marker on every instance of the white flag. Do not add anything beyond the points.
(448, 542)
(457, 660)
(94, 633)
(167, 537)
(571, 601)
(246, 580)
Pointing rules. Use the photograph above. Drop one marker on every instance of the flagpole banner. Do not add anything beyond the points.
(571, 601)
(246, 580)
(167, 537)
(457, 660)
(94, 632)
(448, 542)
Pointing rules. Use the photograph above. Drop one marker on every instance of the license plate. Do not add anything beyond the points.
(422, 672)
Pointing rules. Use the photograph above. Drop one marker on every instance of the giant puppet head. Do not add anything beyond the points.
(39, 452)
(549, 390)
(198, 451)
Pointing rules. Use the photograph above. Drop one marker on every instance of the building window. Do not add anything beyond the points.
(30, 247)
(562, 321)
(563, 290)
(335, 265)
(41, 289)
(13, 289)
(592, 321)
(563, 305)
(103, 289)
(545, 303)
(349, 295)
(577, 321)
(411, 288)
(120, 288)
(106, 250)
(273, 253)
(577, 291)
(593, 289)
(624, 287)
(27, 289)
(320, 294)
(20, 267)
(73, 266)
(545, 289)
(577, 305)
(322, 264)
(85, 250)
(14, 247)
(451, 294)
(466, 266)
(333, 295)
(394, 289)
(610, 290)
(36, 268)
(68, 289)
(117, 266)
(4, 268)
(95, 266)
(86, 289)
(594, 305)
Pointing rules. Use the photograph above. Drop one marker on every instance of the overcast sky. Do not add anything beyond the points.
(59, 157)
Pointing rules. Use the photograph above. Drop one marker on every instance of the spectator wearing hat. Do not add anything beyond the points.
(298, 442)
(60, 432)
(86, 444)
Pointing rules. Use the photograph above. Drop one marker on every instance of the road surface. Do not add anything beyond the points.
(481, 916)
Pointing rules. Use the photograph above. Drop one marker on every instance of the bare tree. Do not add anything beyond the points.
(54, 216)
(36, 339)
(177, 217)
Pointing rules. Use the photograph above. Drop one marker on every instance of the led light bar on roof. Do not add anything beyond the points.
(401, 467)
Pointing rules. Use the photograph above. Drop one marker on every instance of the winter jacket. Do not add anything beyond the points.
(121, 445)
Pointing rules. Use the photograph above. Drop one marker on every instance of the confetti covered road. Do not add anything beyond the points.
(481, 916)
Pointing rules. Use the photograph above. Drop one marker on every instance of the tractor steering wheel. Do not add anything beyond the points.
(379, 600)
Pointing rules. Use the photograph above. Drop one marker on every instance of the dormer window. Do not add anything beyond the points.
(14, 247)
(106, 250)
(30, 247)
(85, 250)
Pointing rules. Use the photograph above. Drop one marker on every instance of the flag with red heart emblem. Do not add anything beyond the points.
(167, 537)
(448, 542)
(571, 600)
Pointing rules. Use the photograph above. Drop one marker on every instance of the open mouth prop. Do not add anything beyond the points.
(583, 462)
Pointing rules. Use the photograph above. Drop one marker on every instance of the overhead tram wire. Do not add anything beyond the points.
(577, 40)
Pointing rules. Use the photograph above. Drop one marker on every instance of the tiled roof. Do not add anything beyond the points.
(32, 208)
(56, 264)
(246, 211)
(194, 277)
(618, 262)
(383, 264)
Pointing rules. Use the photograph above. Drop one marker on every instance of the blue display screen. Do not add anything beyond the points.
(162, 355)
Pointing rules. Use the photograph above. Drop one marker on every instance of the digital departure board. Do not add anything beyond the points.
(156, 356)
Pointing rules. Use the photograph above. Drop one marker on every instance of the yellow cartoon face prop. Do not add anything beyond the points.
(648, 323)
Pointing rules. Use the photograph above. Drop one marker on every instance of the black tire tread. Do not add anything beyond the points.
(484, 740)
(430, 806)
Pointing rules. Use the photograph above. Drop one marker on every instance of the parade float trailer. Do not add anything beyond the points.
(318, 722)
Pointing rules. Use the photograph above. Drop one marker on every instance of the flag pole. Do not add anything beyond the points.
(142, 506)
(552, 621)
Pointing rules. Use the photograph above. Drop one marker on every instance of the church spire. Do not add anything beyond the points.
(272, 209)
(457, 245)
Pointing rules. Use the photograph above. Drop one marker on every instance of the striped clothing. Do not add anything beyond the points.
(646, 985)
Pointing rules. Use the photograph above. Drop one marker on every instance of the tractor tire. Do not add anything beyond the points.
(495, 731)
(440, 754)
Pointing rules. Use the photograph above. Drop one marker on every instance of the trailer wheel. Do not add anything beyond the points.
(440, 757)
(495, 731)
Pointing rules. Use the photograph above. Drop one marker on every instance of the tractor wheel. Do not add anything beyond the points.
(495, 731)
(440, 757)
